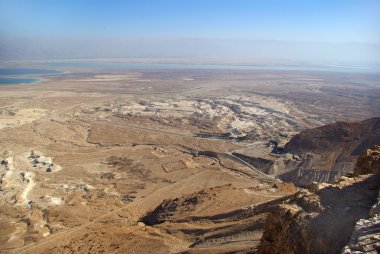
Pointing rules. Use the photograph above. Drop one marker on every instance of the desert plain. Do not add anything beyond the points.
(146, 161)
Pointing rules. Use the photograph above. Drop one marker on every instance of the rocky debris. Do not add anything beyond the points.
(366, 235)
(36, 222)
(18, 177)
(16, 184)
(42, 162)
(322, 218)
(78, 186)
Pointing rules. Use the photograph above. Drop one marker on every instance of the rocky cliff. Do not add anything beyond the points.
(366, 235)
(322, 154)
(326, 153)
(322, 218)
(324, 139)
(368, 162)
(336, 146)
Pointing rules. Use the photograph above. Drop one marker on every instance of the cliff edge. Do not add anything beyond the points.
(325, 217)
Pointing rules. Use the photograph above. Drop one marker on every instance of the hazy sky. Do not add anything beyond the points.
(289, 20)
(217, 31)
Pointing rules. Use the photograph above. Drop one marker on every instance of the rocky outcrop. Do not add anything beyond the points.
(322, 218)
(369, 162)
(319, 220)
(199, 204)
(169, 207)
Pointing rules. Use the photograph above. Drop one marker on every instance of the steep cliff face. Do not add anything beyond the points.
(303, 177)
(323, 140)
(326, 153)
(322, 154)
(335, 147)
(322, 218)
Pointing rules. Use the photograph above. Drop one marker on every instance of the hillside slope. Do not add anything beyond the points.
(328, 152)
(336, 143)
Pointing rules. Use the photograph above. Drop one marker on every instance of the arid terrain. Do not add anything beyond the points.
(171, 161)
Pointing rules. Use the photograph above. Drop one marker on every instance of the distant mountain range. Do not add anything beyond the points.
(194, 51)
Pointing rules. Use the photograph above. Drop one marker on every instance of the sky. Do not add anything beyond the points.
(301, 30)
(289, 20)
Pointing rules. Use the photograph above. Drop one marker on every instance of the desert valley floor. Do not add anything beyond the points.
(155, 161)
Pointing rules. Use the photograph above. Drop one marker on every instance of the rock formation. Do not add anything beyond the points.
(322, 218)
(369, 162)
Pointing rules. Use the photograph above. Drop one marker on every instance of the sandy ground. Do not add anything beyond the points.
(10, 117)
(87, 156)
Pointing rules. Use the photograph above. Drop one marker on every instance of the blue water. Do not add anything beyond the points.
(123, 65)
(16, 81)
(10, 72)
(25, 71)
